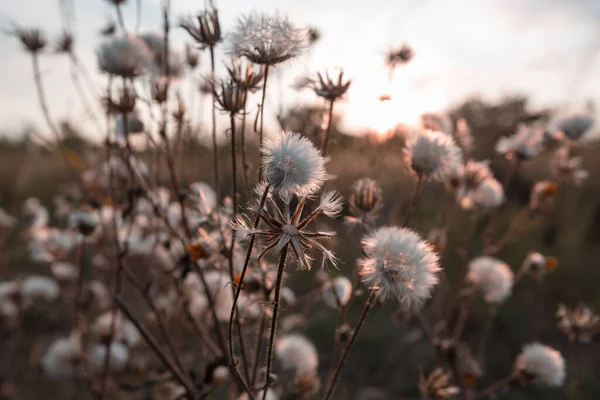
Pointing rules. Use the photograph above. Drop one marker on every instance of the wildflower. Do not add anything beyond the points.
(541, 365)
(192, 57)
(84, 220)
(289, 228)
(437, 385)
(126, 56)
(330, 89)
(365, 202)
(292, 164)
(266, 39)
(579, 323)
(246, 75)
(568, 168)
(538, 265)
(399, 56)
(64, 43)
(338, 292)
(492, 277)
(61, 359)
(207, 33)
(36, 287)
(33, 40)
(230, 97)
(295, 352)
(399, 264)
(487, 194)
(117, 359)
(525, 143)
(432, 155)
(542, 196)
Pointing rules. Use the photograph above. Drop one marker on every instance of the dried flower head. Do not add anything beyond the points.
(37, 287)
(337, 292)
(306, 384)
(432, 155)
(538, 265)
(61, 359)
(230, 97)
(295, 352)
(469, 175)
(399, 56)
(438, 385)
(266, 39)
(64, 43)
(285, 227)
(489, 193)
(292, 164)
(205, 29)
(437, 122)
(33, 40)
(125, 103)
(330, 89)
(524, 144)
(543, 195)
(438, 237)
(192, 56)
(314, 34)
(579, 323)
(365, 202)
(492, 277)
(567, 168)
(399, 264)
(541, 365)
(573, 127)
(246, 74)
(126, 56)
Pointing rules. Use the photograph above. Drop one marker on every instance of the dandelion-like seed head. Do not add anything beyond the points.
(297, 353)
(126, 56)
(432, 155)
(266, 39)
(524, 144)
(399, 264)
(230, 97)
(337, 292)
(492, 277)
(541, 365)
(538, 265)
(292, 164)
(488, 194)
(192, 56)
(567, 168)
(33, 40)
(204, 28)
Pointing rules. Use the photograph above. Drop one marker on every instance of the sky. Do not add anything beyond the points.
(546, 49)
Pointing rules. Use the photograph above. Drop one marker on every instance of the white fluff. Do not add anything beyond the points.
(399, 264)
(295, 352)
(118, 356)
(526, 142)
(433, 155)
(60, 359)
(342, 287)
(39, 288)
(542, 363)
(493, 277)
(487, 194)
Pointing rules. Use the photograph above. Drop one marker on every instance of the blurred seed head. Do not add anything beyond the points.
(192, 56)
(296, 353)
(109, 29)
(567, 168)
(432, 155)
(579, 323)
(524, 144)
(399, 56)
(365, 202)
(230, 97)
(540, 365)
(180, 110)
(159, 89)
(64, 43)
(337, 292)
(314, 34)
(126, 56)
(266, 39)
(438, 385)
(85, 220)
(492, 277)
(538, 265)
(246, 75)
(488, 194)
(330, 89)
(33, 40)
(204, 28)
(543, 195)
(438, 237)
(125, 103)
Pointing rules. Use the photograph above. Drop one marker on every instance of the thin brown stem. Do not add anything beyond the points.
(412, 206)
(327, 132)
(214, 132)
(368, 305)
(278, 281)
(578, 374)
(245, 164)
(259, 342)
(262, 115)
(485, 335)
(496, 385)
(120, 18)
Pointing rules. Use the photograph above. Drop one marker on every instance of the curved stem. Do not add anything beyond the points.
(368, 305)
(413, 201)
(327, 132)
(262, 114)
(280, 268)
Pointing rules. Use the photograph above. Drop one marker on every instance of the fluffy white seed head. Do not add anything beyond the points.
(39, 288)
(433, 155)
(61, 358)
(292, 164)
(544, 365)
(399, 264)
(266, 39)
(525, 143)
(331, 203)
(118, 356)
(295, 352)
(126, 56)
(493, 277)
(486, 195)
(64, 272)
(341, 287)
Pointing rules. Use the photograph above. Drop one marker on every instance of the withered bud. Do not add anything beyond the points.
(330, 89)
(230, 97)
(246, 75)
(399, 56)
(33, 40)
(365, 197)
(438, 385)
(207, 30)
(192, 57)
(124, 104)
(117, 2)
(179, 112)
(109, 29)
(314, 34)
(159, 89)
(64, 43)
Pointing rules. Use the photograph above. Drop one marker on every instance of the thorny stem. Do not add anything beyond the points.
(413, 201)
(181, 378)
(327, 132)
(368, 305)
(262, 115)
(280, 268)
(496, 385)
(214, 131)
(238, 290)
